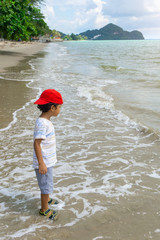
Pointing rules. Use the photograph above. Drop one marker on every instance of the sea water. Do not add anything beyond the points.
(108, 171)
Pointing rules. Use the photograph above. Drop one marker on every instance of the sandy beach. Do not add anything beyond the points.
(11, 53)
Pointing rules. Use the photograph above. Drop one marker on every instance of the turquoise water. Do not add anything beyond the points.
(108, 173)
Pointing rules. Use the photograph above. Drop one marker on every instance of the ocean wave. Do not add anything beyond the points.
(96, 97)
(101, 99)
(115, 68)
(12, 79)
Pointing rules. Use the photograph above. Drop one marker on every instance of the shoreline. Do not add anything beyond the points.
(11, 53)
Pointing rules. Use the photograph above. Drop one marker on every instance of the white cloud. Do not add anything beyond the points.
(100, 20)
(49, 13)
(116, 8)
(80, 15)
(152, 6)
(91, 17)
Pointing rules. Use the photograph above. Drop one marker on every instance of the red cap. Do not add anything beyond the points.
(49, 96)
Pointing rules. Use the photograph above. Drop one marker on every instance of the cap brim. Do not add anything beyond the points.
(40, 101)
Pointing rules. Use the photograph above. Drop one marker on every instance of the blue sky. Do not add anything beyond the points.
(76, 16)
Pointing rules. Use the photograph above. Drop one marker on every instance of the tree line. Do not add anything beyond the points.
(74, 37)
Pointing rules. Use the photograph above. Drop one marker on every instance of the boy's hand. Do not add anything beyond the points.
(42, 165)
(42, 168)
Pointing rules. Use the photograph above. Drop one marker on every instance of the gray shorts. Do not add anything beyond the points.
(45, 181)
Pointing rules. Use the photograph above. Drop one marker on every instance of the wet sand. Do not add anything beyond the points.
(11, 53)
(14, 93)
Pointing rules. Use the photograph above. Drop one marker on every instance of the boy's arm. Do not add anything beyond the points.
(37, 148)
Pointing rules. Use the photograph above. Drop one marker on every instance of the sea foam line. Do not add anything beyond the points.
(14, 118)
(14, 114)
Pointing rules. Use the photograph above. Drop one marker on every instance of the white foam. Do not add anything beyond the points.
(119, 68)
(24, 218)
(13, 79)
(154, 174)
(101, 237)
(14, 119)
(31, 65)
(3, 207)
(96, 96)
(111, 82)
(124, 190)
(71, 168)
(73, 222)
(29, 229)
(24, 133)
(9, 192)
(97, 209)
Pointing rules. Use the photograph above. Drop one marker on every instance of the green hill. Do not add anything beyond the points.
(112, 32)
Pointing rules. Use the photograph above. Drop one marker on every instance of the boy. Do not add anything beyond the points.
(44, 155)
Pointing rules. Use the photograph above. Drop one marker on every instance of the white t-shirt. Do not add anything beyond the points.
(44, 130)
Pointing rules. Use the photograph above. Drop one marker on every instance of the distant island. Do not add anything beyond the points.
(112, 32)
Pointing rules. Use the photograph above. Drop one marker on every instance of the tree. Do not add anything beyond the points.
(74, 37)
(56, 34)
(67, 37)
(14, 23)
(38, 21)
(20, 19)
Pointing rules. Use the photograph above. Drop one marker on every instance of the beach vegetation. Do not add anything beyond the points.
(21, 19)
(78, 37)
(55, 34)
(67, 37)
(38, 22)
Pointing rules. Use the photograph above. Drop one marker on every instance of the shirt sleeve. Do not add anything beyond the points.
(40, 130)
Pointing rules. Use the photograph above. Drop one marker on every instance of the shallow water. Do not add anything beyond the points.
(108, 171)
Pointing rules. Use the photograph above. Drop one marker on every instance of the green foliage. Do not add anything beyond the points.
(74, 37)
(67, 37)
(38, 22)
(82, 37)
(20, 19)
(55, 34)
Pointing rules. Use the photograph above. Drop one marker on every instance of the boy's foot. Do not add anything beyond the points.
(53, 215)
(52, 201)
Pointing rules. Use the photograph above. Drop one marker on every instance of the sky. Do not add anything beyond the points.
(76, 16)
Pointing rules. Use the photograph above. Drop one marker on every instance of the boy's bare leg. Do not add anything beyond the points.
(44, 202)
